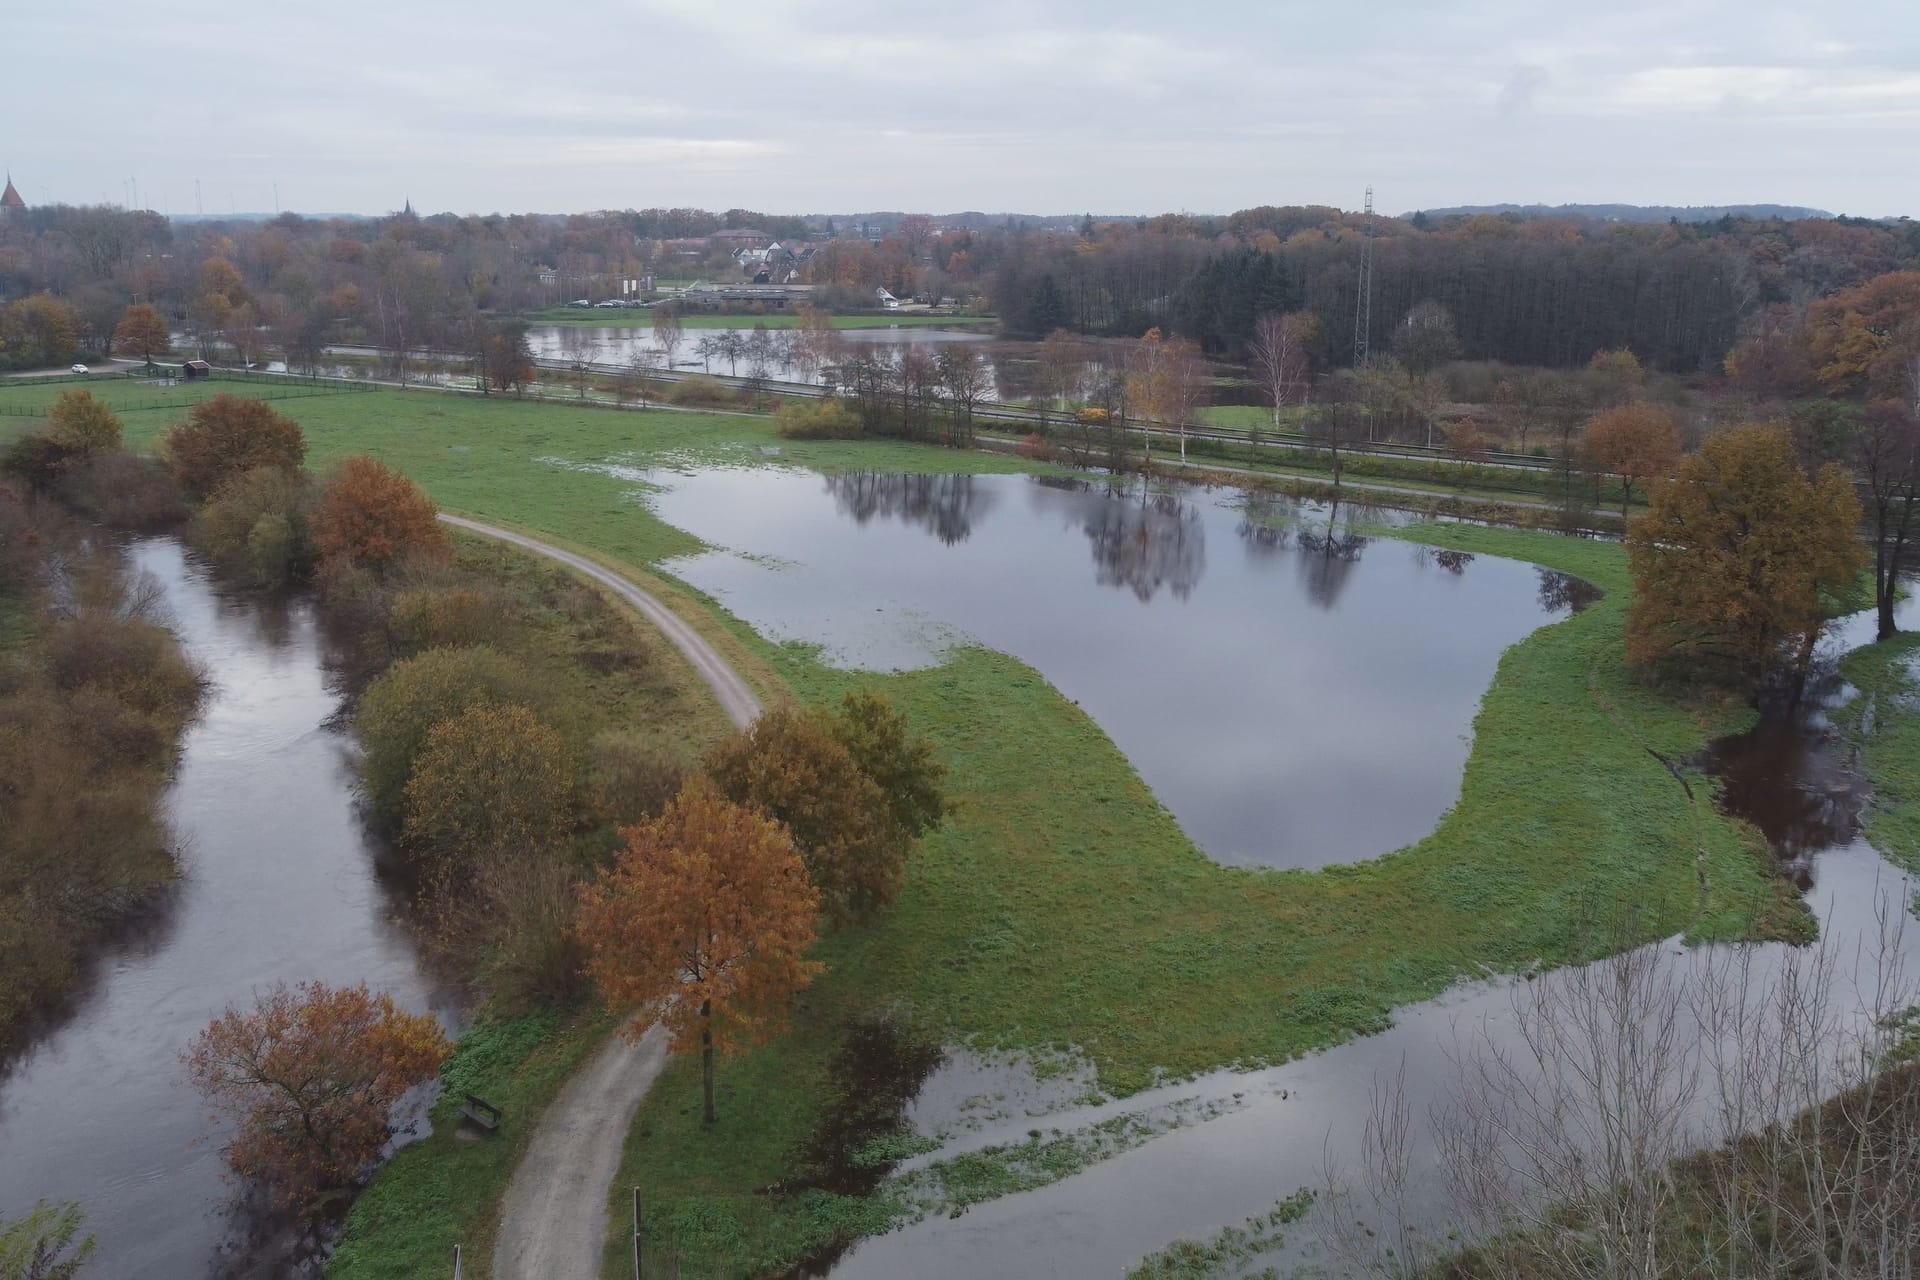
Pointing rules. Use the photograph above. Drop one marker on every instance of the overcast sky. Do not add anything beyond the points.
(1036, 106)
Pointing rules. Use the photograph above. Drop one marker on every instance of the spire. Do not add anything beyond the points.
(10, 198)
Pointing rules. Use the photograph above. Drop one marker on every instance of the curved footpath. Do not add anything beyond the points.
(554, 1218)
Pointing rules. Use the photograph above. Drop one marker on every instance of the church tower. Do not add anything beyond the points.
(11, 205)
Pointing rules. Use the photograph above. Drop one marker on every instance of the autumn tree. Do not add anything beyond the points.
(1886, 455)
(372, 516)
(142, 332)
(228, 436)
(1424, 343)
(1637, 443)
(964, 376)
(309, 1077)
(703, 923)
(399, 710)
(82, 425)
(1467, 443)
(791, 767)
(1167, 381)
(901, 765)
(1279, 356)
(508, 359)
(1735, 558)
(1861, 340)
(258, 526)
(491, 782)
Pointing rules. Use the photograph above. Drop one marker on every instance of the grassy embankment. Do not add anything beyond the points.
(1063, 907)
(616, 318)
(1883, 722)
(602, 669)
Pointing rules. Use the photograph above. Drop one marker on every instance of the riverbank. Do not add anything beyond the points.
(1881, 724)
(1063, 909)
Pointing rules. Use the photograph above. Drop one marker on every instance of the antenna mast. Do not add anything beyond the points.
(1363, 290)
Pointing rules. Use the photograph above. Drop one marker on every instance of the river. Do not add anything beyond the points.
(277, 885)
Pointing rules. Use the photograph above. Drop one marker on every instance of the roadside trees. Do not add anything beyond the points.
(703, 923)
(507, 358)
(142, 332)
(1733, 559)
(667, 333)
(1636, 443)
(1166, 381)
(310, 1077)
(1279, 357)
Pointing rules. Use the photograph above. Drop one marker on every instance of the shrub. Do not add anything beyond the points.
(491, 782)
(257, 526)
(123, 491)
(37, 461)
(821, 418)
(227, 436)
(1035, 448)
(372, 516)
(699, 389)
(441, 617)
(632, 779)
(136, 662)
(401, 708)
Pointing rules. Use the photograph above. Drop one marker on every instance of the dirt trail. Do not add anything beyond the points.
(554, 1218)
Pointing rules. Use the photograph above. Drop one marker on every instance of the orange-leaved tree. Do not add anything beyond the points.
(791, 767)
(228, 436)
(1637, 443)
(142, 332)
(371, 516)
(703, 922)
(1737, 559)
(310, 1076)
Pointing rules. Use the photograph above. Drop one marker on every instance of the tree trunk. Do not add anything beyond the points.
(706, 1056)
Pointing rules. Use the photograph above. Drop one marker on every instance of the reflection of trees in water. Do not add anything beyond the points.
(1562, 591)
(1147, 544)
(1453, 562)
(1331, 555)
(1141, 540)
(945, 506)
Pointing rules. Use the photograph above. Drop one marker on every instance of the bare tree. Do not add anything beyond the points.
(1279, 357)
(963, 375)
(667, 332)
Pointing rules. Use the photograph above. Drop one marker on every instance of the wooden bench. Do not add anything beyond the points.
(481, 1113)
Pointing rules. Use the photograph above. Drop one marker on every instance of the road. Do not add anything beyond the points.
(554, 1218)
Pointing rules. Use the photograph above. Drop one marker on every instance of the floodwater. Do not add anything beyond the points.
(277, 885)
(624, 346)
(1295, 692)
(1267, 1134)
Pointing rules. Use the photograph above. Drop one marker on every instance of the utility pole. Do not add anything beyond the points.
(1363, 292)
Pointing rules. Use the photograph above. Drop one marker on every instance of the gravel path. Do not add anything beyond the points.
(554, 1220)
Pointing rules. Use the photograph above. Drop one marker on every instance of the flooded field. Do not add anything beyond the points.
(277, 885)
(1296, 692)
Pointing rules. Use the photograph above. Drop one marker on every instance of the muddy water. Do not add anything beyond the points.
(277, 885)
(1296, 693)
(1276, 1131)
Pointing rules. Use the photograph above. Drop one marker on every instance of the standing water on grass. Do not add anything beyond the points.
(1295, 692)
(277, 885)
(1264, 1135)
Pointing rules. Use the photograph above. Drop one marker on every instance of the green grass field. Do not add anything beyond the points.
(1062, 907)
(588, 318)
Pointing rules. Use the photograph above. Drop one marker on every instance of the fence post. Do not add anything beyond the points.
(636, 1234)
(456, 1262)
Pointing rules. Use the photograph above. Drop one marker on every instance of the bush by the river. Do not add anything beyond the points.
(257, 527)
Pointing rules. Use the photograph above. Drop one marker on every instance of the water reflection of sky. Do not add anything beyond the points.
(1295, 693)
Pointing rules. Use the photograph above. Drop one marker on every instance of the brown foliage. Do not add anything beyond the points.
(1863, 340)
(372, 516)
(310, 1077)
(142, 332)
(492, 781)
(82, 424)
(791, 767)
(228, 436)
(1638, 442)
(703, 922)
(1733, 559)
